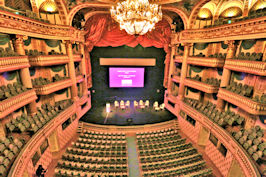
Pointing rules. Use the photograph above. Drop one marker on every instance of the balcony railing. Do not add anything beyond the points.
(246, 163)
(201, 86)
(178, 58)
(248, 29)
(176, 79)
(16, 24)
(244, 103)
(80, 78)
(48, 60)
(252, 67)
(13, 63)
(52, 87)
(24, 158)
(77, 58)
(9, 105)
(205, 61)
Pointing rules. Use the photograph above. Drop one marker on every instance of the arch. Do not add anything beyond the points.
(226, 5)
(62, 10)
(211, 6)
(181, 13)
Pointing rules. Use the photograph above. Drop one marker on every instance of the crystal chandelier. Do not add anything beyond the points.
(136, 16)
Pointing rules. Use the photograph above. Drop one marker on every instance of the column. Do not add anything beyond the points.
(83, 70)
(181, 93)
(171, 68)
(89, 69)
(71, 69)
(231, 50)
(24, 72)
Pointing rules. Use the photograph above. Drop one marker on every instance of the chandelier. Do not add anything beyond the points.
(136, 16)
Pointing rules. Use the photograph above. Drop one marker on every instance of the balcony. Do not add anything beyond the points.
(176, 79)
(248, 29)
(12, 23)
(52, 87)
(205, 61)
(201, 86)
(252, 67)
(178, 58)
(48, 60)
(13, 63)
(9, 105)
(241, 156)
(77, 58)
(244, 103)
(79, 78)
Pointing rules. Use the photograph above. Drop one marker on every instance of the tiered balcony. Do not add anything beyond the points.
(25, 155)
(205, 61)
(201, 86)
(241, 156)
(79, 78)
(248, 29)
(13, 63)
(9, 105)
(77, 58)
(252, 67)
(178, 58)
(52, 87)
(176, 79)
(244, 103)
(48, 60)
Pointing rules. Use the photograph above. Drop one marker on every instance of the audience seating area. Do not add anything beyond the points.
(95, 154)
(239, 88)
(213, 81)
(247, 56)
(37, 53)
(9, 90)
(44, 81)
(165, 153)
(7, 52)
(216, 55)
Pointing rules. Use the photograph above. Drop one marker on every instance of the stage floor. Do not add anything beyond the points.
(117, 116)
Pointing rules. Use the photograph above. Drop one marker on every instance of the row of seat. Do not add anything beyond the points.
(7, 52)
(247, 56)
(9, 90)
(44, 81)
(213, 81)
(35, 52)
(241, 89)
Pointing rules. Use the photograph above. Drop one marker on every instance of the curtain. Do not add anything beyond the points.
(101, 31)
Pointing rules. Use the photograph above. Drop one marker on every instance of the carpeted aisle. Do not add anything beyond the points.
(133, 161)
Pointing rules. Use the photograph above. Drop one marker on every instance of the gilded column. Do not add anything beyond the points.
(231, 50)
(83, 69)
(71, 69)
(171, 67)
(24, 72)
(181, 93)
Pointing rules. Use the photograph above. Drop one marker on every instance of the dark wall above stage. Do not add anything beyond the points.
(153, 80)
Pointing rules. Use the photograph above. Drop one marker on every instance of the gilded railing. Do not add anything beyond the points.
(205, 61)
(52, 87)
(16, 24)
(11, 104)
(13, 63)
(48, 60)
(246, 163)
(252, 67)
(248, 29)
(244, 103)
(20, 165)
(201, 86)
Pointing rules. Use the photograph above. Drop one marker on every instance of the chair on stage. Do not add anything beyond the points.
(122, 104)
(116, 104)
(162, 106)
(127, 103)
(136, 104)
(147, 103)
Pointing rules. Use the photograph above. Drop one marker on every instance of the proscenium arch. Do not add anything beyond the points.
(179, 12)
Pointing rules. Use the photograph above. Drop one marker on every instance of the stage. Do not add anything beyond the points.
(129, 116)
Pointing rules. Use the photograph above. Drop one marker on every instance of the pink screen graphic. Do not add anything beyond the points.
(126, 77)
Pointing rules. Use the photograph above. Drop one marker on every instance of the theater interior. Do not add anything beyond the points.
(117, 88)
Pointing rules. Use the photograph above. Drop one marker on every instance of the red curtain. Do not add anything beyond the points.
(101, 31)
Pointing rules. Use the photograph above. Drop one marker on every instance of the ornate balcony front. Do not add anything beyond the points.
(17, 24)
(176, 79)
(52, 87)
(13, 63)
(77, 58)
(48, 60)
(244, 103)
(9, 105)
(178, 58)
(201, 86)
(252, 67)
(205, 61)
(248, 29)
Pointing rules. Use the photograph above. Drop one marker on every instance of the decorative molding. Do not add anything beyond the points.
(244, 103)
(176, 79)
(205, 61)
(9, 105)
(52, 87)
(77, 57)
(79, 78)
(48, 60)
(252, 67)
(13, 63)
(201, 86)
(178, 58)
(248, 29)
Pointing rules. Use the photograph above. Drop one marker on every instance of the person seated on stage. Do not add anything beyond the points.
(40, 171)
(128, 103)
(122, 104)
(162, 106)
(136, 104)
(147, 103)
(116, 104)
(155, 104)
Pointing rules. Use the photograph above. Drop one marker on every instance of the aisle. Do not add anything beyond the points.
(133, 161)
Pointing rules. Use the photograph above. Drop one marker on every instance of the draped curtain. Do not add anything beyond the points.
(101, 31)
